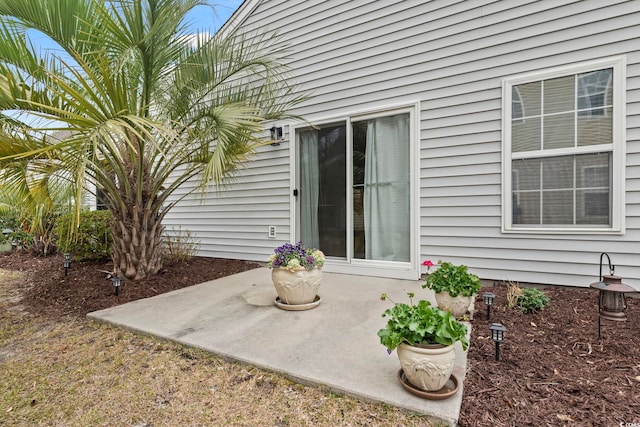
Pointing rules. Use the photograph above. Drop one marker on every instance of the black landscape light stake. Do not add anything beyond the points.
(488, 301)
(497, 335)
(66, 263)
(116, 284)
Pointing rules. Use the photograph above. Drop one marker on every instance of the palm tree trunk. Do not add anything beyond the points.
(137, 242)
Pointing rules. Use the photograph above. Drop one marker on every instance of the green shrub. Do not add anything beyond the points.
(92, 239)
(21, 238)
(16, 232)
(10, 226)
(531, 300)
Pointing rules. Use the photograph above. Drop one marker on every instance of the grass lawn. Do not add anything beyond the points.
(73, 372)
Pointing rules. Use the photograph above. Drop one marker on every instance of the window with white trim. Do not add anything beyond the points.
(563, 149)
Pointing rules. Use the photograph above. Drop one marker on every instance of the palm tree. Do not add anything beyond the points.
(131, 104)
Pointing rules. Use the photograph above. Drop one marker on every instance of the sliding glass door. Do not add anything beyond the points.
(355, 188)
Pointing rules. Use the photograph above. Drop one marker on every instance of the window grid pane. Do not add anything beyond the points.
(559, 131)
(526, 135)
(559, 95)
(595, 127)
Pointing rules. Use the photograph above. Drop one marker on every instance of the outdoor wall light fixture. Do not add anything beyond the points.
(276, 135)
(497, 335)
(116, 284)
(612, 304)
(488, 301)
(66, 263)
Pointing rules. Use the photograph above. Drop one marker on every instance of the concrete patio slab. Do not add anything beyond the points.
(334, 344)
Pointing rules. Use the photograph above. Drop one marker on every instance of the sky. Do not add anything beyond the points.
(205, 18)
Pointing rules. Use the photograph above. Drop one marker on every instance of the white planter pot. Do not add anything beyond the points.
(296, 287)
(457, 306)
(428, 369)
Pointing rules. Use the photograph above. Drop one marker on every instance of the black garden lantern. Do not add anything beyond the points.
(612, 304)
(66, 263)
(488, 298)
(497, 335)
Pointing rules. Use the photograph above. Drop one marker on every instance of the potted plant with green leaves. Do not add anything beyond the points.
(454, 286)
(425, 338)
(296, 275)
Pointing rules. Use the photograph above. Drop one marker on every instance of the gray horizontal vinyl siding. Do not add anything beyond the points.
(451, 56)
(232, 221)
(461, 137)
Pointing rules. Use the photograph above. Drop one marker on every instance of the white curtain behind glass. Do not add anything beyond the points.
(309, 189)
(386, 189)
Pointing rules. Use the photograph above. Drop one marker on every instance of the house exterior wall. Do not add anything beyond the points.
(450, 57)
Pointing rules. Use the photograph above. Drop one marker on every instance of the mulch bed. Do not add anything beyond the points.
(553, 368)
(553, 371)
(87, 286)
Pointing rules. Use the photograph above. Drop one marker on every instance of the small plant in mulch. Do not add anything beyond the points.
(526, 300)
(180, 245)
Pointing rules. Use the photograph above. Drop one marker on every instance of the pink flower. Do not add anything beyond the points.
(427, 263)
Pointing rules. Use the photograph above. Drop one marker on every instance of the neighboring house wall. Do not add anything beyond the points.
(451, 58)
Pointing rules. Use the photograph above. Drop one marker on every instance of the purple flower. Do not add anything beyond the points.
(287, 252)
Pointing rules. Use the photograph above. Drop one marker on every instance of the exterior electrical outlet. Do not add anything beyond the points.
(272, 231)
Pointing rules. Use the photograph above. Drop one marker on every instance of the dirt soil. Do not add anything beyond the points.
(553, 369)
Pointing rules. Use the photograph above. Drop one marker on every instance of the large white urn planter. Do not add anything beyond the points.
(427, 367)
(297, 288)
(457, 305)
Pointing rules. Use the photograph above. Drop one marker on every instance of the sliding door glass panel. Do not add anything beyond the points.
(323, 207)
(381, 189)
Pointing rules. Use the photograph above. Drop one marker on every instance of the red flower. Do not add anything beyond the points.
(427, 263)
